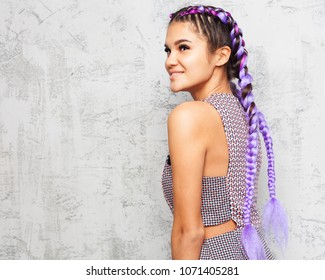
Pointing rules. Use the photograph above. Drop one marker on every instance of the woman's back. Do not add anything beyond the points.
(223, 196)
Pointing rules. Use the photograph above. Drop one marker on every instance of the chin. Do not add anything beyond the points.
(176, 89)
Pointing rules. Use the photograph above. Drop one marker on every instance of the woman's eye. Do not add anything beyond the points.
(183, 47)
(167, 50)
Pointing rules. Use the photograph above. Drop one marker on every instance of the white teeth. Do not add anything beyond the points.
(176, 73)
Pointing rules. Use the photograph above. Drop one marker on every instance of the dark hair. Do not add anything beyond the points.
(220, 29)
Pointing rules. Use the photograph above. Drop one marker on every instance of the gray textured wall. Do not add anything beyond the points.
(83, 106)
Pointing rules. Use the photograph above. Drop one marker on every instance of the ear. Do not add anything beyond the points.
(222, 55)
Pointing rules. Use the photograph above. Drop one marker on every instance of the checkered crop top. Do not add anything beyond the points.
(223, 197)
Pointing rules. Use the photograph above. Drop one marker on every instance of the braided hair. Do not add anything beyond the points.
(220, 29)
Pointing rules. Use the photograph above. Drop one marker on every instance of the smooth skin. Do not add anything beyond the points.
(196, 138)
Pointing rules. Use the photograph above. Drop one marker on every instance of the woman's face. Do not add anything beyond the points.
(188, 62)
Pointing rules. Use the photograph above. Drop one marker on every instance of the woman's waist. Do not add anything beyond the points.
(211, 231)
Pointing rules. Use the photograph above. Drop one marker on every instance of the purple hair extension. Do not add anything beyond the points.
(250, 239)
(252, 243)
(274, 215)
(274, 221)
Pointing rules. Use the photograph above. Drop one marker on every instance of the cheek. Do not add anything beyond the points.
(200, 67)
(205, 65)
(197, 62)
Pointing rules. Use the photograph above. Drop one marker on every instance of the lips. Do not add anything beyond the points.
(175, 74)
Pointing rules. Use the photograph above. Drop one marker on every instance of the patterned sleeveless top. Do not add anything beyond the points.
(223, 197)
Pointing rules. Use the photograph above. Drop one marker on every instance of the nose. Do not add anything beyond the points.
(171, 60)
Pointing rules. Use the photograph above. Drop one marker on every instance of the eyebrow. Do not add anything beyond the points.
(179, 41)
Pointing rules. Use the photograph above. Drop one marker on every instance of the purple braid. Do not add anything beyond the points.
(274, 217)
(264, 129)
(250, 239)
(275, 221)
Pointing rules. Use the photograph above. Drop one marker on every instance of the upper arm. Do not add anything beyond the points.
(187, 147)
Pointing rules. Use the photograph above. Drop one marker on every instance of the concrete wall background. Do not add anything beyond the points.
(84, 100)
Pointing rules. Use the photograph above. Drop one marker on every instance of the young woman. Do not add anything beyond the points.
(210, 175)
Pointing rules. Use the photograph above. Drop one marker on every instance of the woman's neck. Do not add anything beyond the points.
(218, 83)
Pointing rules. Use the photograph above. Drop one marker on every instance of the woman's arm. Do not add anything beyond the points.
(187, 147)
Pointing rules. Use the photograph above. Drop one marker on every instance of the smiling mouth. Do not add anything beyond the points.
(175, 74)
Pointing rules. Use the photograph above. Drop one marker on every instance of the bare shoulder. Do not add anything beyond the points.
(192, 114)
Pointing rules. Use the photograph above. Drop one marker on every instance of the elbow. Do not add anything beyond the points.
(194, 236)
(187, 243)
(190, 236)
